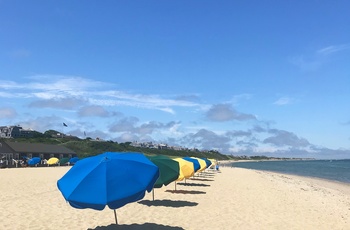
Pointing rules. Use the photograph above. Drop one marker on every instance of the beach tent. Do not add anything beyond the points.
(108, 179)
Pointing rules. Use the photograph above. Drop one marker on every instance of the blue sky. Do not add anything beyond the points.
(241, 77)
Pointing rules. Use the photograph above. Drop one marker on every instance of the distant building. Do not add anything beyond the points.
(11, 152)
(136, 144)
(15, 131)
(152, 145)
(162, 146)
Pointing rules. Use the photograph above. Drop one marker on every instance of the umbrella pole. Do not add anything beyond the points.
(153, 194)
(175, 185)
(115, 216)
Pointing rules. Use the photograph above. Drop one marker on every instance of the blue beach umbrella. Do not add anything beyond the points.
(195, 163)
(73, 160)
(34, 161)
(109, 179)
(202, 163)
(208, 162)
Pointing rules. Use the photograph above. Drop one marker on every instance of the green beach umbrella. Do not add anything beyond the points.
(168, 170)
(63, 160)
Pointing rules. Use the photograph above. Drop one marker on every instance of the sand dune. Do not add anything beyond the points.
(232, 199)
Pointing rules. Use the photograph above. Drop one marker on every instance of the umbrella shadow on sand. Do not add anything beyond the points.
(152, 226)
(194, 184)
(200, 179)
(168, 203)
(185, 192)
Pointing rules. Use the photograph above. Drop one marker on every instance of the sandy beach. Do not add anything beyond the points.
(232, 199)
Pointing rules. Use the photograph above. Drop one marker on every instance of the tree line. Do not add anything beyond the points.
(89, 147)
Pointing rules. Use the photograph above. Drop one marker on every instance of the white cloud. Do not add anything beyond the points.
(93, 110)
(283, 101)
(141, 100)
(58, 88)
(237, 98)
(97, 99)
(313, 61)
(333, 49)
(9, 85)
(225, 112)
(284, 138)
(206, 139)
(43, 123)
(7, 113)
(61, 103)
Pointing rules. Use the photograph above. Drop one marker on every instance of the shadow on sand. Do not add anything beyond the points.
(200, 179)
(210, 173)
(145, 226)
(168, 203)
(194, 184)
(205, 175)
(185, 192)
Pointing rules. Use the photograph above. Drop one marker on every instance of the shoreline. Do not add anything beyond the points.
(312, 179)
(326, 180)
(330, 184)
(233, 198)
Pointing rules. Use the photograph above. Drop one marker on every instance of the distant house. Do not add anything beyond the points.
(15, 131)
(11, 152)
(162, 146)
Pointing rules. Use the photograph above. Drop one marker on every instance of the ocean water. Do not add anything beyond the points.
(335, 170)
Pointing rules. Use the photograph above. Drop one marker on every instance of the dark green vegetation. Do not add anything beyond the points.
(88, 147)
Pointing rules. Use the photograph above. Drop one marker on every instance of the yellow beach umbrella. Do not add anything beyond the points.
(202, 163)
(186, 169)
(213, 163)
(52, 161)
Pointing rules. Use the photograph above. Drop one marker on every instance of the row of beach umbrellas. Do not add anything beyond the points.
(53, 160)
(116, 179)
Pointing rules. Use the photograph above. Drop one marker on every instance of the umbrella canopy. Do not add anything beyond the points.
(64, 160)
(194, 161)
(186, 169)
(208, 162)
(213, 163)
(52, 161)
(112, 179)
(73, 160)
(168, 170)
(34, 161)
(202, 164)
